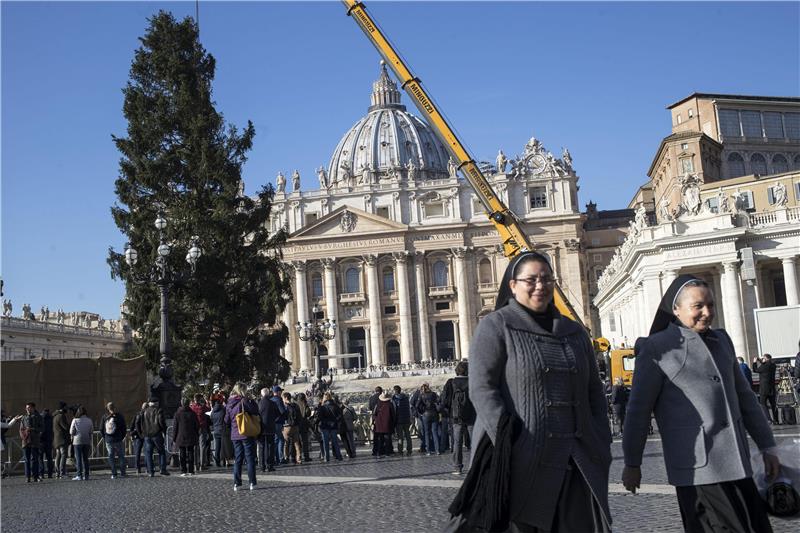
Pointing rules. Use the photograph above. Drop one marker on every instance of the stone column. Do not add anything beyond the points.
(374, 297)
(463, 292)
(716, 285)
(790, 281)
(732, 308)
(668, 277)
(422, 307)
(332, 305)
(457, 355)
(652, 297)
(288, 350)
(406, 331)
(301, 301)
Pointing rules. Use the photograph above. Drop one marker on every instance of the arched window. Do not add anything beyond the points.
(440, 274)
(779, 164)
(388, 279)
(316, 285)
(758, 165)
(352, 280)
(485, 271)
(735, 165)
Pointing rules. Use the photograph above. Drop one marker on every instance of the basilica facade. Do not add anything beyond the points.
(397, 248)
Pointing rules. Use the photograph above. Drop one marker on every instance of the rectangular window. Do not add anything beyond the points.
(442, 306)
(679, 118)
(751, 124)
(597, 258)
(684, 146)
(729, 123)
(687, 166)
(595, 242)
(797, 190)
(612, 322)
(538, 197)
(691, 113)
(792, 122)
(773, 125)
(477, 207)
(390, 310)
(770, 196)
(713, 204)
(434, 210)
(748, 200)
(382, 211)
(310, 218)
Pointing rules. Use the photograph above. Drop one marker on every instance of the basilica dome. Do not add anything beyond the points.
(382, 143)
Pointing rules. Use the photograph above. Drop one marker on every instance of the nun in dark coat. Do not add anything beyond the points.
(528, 361)
(687, 374)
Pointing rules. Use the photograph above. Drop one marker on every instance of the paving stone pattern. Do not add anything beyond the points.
(404, 494)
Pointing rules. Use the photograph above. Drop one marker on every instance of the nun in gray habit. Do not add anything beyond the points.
(528, 361)
(687, 374)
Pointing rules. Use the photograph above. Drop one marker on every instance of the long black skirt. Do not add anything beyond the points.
(576, 511)
(733, 506)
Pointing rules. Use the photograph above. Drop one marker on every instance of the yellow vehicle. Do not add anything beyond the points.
(622, 363)
(506, 223)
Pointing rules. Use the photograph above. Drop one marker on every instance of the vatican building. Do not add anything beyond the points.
(398, 250)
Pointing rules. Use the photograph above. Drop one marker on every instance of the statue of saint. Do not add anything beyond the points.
(501, 162)
(663, 210)
(640, 218)
(452, 168)
(779, 192)
(323, 178)
(722, 202)
(281, 182)
(412, 171)
(567, 158)
(347, 174)
(295, 181)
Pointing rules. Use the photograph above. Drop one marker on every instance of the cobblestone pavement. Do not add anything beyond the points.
(406, 494)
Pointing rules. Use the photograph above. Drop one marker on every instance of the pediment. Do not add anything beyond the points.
(348, 221)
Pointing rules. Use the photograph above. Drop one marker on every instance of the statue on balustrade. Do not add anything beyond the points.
(8, 308)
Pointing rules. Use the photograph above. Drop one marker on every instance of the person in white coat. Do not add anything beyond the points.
(81, 430)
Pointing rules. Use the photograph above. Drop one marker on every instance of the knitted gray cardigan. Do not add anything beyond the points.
(550, 381)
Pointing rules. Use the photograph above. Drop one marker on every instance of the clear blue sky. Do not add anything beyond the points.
(594, 77)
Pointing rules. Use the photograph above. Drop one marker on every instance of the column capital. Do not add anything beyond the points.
(731, 266)
(370, 259)
(460, 252)
(299, 266)
(328, 262)
(788, 260)
(400, 257)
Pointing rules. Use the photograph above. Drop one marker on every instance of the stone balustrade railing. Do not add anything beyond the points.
(10, 322)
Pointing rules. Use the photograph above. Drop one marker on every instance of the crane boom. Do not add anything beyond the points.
(511, 234)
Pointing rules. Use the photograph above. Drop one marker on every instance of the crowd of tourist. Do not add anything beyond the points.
(205, 431)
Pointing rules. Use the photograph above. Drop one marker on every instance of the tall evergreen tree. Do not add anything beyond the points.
(180, 157)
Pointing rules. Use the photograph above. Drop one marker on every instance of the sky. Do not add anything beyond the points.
(591, 76)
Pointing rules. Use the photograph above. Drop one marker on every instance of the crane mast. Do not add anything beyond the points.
(512, 236)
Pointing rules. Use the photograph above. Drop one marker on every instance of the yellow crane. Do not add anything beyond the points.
(511, 233)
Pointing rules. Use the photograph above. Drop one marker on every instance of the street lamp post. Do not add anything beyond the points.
(316, 333)
(163, 277)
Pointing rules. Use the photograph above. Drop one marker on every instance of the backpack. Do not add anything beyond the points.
(111, 425)
(461, 408)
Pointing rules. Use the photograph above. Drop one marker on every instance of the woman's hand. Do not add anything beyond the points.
(772, 467)
(632, 478)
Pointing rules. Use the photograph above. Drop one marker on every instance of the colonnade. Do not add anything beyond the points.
(411, 349)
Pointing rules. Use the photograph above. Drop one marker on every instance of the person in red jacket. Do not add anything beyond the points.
(383, 419)
(199, 407)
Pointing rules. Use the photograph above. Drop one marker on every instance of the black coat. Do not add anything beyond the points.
(218, 420)
(269, 413)
(185, 430)
(766, 377)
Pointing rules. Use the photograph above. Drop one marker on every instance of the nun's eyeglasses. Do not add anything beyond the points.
(547, 281)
